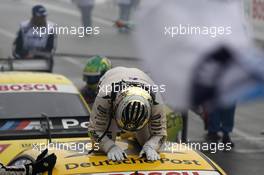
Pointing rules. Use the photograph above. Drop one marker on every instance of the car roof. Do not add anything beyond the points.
(11, 82)
(33, 77)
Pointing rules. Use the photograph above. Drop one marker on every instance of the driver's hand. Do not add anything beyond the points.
(149, 152)
(116, 154)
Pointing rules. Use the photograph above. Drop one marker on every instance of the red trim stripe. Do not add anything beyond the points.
(22, 125)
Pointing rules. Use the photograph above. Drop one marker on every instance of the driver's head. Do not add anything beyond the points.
(39, 14)
(94, 69)
(132, 108)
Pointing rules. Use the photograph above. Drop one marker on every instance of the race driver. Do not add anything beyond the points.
(36, 37)
(43, 163)
(126, 102)
(94, 69)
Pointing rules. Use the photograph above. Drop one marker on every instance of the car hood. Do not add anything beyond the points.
(183, 162)
(187, 163)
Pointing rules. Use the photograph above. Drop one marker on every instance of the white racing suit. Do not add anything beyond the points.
(150, 137)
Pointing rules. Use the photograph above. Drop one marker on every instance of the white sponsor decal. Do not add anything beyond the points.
(37, 87)
(68, 123)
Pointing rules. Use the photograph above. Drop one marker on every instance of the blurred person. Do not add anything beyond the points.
(94, 69)
(199, 68)
(135, 3)
(125, 7)
(86, 8)
(29, 43)
(221, 120)
(43, 163)
(125, 102)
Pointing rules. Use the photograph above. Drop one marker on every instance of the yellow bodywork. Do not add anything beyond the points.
(32, 77)
(73, 162)
(38, 77)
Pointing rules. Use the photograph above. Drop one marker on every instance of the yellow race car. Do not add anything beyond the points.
(73, 158)
(43, 110)
(38, 105)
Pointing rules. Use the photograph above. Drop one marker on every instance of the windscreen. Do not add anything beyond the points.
(30, 105)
